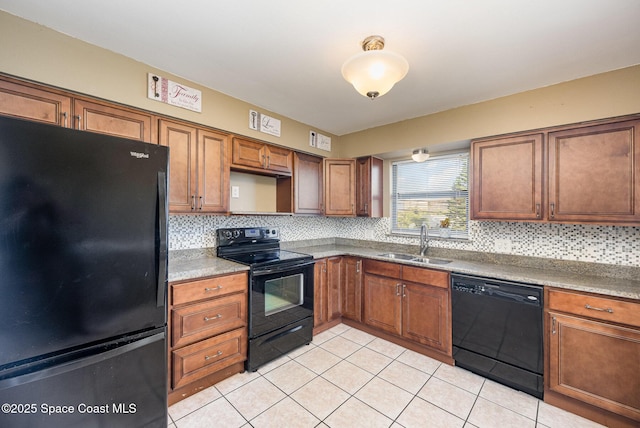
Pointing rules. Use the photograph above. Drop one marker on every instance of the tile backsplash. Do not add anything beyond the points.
(618, 245)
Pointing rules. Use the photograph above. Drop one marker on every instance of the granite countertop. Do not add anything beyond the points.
(618, 281)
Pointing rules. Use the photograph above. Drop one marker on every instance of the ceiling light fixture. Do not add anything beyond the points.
(420, 155)
(374, 71)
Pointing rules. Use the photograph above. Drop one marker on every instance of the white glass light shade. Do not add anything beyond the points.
(373, 73)
(420, 155)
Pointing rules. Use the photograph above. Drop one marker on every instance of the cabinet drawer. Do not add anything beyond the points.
(204, 358)
(375, 267)
(602, 308)
(206, 288)
(201, 320)
(426, 276)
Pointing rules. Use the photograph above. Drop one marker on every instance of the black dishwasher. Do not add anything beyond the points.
(497, 330)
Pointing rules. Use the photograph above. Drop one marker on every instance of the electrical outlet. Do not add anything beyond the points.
(235, 191)
(502, 245)
(368, 234)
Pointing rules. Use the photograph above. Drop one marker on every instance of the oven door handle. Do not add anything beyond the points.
(281, 268)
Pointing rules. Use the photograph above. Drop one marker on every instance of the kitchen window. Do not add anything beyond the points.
(430, 192)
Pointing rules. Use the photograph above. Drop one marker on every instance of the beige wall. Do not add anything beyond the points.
(34, 52)
(601, 96)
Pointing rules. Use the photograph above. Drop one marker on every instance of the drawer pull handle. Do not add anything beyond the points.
(588, 306)
(213, 318)
(208, 357)
(219, 287)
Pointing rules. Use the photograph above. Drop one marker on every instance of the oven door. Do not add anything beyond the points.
(280, 295)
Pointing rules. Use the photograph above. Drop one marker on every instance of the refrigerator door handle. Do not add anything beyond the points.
(162, 234)
(75, 364)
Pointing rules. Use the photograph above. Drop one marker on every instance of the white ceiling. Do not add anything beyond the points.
(285, 55)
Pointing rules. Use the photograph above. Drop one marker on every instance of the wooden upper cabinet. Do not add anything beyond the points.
(260, 157)
(369, 187)
(594, 174)
(198, 168)
(213, 171)
(507, 179)
(27, 102)
(112, 120)
(307, 186)
(182, 143)
(339, 187)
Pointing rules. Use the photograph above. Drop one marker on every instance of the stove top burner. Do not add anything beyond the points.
(257, 246)
(266, 257)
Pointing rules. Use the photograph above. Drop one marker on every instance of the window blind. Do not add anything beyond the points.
(428, 192)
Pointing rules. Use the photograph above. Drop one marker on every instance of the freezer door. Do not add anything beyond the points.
(124, 386)
(82, 238)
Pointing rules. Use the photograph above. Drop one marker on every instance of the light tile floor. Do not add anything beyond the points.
(347, 378)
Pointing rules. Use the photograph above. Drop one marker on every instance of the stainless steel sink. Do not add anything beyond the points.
(398, 256)
(413, 258)
(430, 260)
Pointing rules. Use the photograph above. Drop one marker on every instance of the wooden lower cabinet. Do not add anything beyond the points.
(383, 303)
(425, 315)
(327, 286)
(352, 288)
(207, 332)
(208, 356)
(409, 302)
(591, 360)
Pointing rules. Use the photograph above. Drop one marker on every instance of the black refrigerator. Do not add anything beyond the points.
(83, 279)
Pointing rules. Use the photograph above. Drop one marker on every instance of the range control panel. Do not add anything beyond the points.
(239, 235)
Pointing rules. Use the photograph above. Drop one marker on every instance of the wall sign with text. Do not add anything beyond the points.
(176, 94)
(263, 123)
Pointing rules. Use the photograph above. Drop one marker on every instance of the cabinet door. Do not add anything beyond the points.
(320, 293)
(181, 140)
(112, 120)
(369, 187)
(425, 315)
(595, 363)
(334, 282)
(507, 178)
(339, 187)
(352, 289)
(279, 159)
(25, 102)
(307, 189)
(382, 303)
(248, 153)
(213, 172)
(594, 174)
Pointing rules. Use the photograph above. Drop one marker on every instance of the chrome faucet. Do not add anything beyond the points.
(424, 240)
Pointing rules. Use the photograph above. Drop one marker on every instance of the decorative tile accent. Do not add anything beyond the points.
(616, 245)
